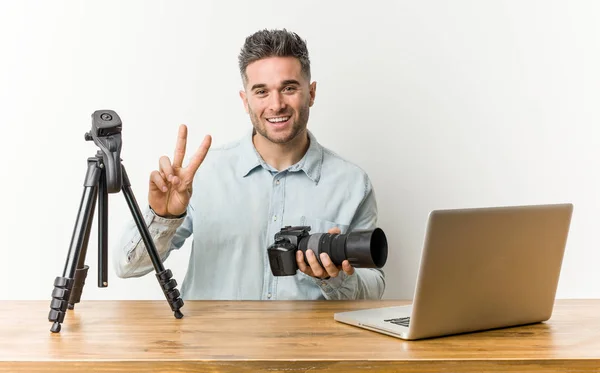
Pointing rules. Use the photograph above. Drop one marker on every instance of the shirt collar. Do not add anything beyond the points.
(311, 163)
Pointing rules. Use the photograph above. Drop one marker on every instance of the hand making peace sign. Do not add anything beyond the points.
(171, 186)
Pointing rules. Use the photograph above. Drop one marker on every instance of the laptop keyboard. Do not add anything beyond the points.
(402, 321)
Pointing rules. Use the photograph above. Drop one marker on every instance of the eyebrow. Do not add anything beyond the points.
(284, 83)
(290, 81)
(258, 86)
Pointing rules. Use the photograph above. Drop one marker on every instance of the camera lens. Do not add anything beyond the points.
(364, 248)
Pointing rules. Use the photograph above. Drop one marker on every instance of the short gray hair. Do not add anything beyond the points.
(273, 43)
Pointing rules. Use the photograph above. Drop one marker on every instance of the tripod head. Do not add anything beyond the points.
(106, 134)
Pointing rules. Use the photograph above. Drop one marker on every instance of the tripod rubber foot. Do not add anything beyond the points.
(70, 306)
(178, 314)
(55, 327)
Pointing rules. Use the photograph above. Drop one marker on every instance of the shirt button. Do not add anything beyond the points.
(274, 217)
(269, 295)
(277, 181)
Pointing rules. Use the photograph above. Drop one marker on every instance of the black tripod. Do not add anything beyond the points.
(105, 174)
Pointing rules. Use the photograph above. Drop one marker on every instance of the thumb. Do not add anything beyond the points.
(334, 230)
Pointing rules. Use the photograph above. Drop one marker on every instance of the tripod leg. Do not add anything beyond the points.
(64, 285)
(82, 269)
(167, 284)
(101, 195)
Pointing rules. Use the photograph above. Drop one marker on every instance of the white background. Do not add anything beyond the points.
(445, 104)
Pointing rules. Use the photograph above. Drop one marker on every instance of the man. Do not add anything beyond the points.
(235, 198)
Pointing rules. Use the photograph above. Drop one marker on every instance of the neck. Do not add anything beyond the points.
(281, 156)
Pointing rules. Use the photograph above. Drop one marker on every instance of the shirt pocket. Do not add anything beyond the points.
(322, 226)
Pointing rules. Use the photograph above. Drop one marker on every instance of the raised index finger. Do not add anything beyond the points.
(180, 146)
(199, 156)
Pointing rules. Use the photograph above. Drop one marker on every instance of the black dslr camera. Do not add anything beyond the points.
(363, 248)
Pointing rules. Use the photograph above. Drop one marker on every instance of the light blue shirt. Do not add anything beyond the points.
(238, 204)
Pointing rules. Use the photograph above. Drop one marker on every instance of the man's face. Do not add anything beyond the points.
(277, 97)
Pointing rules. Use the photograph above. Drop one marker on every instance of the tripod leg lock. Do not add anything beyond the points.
(169, 288)
(60, 299)
(80, 275)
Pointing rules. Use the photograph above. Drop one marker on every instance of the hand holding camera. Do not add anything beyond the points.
(323, 267)
(322, 255)
(171, 185)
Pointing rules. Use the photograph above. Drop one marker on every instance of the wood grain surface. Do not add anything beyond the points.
(268, 336)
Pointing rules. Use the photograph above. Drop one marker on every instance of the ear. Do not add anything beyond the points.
(244, 100)
(312, 91)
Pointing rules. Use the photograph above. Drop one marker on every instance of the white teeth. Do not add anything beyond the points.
(277, 120)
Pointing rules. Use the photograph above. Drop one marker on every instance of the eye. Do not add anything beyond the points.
(260, 92)
(289, 88)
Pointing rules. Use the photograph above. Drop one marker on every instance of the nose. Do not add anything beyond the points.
(277, 103)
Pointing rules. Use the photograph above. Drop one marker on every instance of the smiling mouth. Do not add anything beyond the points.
(278, 119)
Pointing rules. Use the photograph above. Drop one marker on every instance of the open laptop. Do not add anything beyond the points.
(481, 268)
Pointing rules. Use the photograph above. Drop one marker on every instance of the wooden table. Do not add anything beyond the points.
(268, 336)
